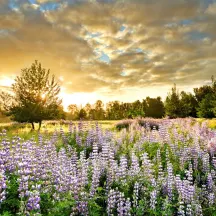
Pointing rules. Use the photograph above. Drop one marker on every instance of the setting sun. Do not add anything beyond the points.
(6, 81)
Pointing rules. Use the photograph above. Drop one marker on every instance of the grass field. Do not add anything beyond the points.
(25, 131)
(50, 126)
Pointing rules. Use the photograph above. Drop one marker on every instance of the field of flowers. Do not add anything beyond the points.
(88, 170)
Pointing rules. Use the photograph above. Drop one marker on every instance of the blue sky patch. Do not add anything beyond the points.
(123, 73)
(49, 6)
(104, 58)
(146, 60)
(196, 35)
(139, 50)
(93, 35)
(186, 22)
(32, 1)
(122, 28)
(13, 4)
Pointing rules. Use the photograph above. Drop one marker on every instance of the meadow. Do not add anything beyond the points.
(167, 167)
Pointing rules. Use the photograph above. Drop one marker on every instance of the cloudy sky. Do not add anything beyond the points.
(110, 49)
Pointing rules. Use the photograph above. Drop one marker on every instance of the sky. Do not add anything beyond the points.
(110, 49)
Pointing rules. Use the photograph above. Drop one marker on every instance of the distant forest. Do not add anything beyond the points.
(202, 104)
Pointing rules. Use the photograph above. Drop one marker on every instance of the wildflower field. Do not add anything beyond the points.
(85, 169)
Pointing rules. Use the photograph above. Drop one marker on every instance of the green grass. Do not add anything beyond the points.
(47, 126)
(51, 126)
(211, 122)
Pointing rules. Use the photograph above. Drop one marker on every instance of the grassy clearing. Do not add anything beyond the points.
(49, 127)
(24, 129)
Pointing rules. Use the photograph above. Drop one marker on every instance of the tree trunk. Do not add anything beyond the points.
(33, 126)
(40, 122)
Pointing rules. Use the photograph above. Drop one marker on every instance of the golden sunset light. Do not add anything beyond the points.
(108, 107)
(126, 51)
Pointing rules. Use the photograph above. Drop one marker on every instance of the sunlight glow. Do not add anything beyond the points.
(80, 99)
(6, 81)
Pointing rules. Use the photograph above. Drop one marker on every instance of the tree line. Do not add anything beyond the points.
(116, 110)
(202, 104)
(34, 97)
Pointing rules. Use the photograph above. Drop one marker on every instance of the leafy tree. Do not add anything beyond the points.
(155, 107)
(93, 114)
(88, 108)
(82, 114)
(206, 107)
(172, 103)
(188, 104)
(125, 110)
(206, 97)
(137, 109)
(99, 110)
(201, 92)
(35, 97)
(114, 110)
(73, 112)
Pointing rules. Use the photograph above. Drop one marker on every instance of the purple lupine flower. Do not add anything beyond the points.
(95, 176)
(198, 210)
(82, 205)
(134, 169)
(189, 211)
(136, 194)
(181, 211)
(122, 170)
(121, 204)
(33, 201)
(189, 174)
(3, 185)
(147, 166)
(153, 197)
(111, 202)
(127, 207)
(210, 182)
(211, 199)
(170, 181)
(82, 170)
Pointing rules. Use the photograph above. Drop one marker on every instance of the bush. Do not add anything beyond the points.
(143, 122)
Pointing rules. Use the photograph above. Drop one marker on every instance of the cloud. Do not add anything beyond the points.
(162, 42)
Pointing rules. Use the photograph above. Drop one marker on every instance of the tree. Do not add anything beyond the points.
(73, 112)
(155, 107)
(137, 109)
(114, 110)
(88, 108)
(99, 110)
(172, 103)
(206, 107)
(202, 91)
(82, 114)
(206, 97)
(188, 104)
(35, 97)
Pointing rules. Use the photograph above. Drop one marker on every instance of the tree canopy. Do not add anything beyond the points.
(34, 96)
